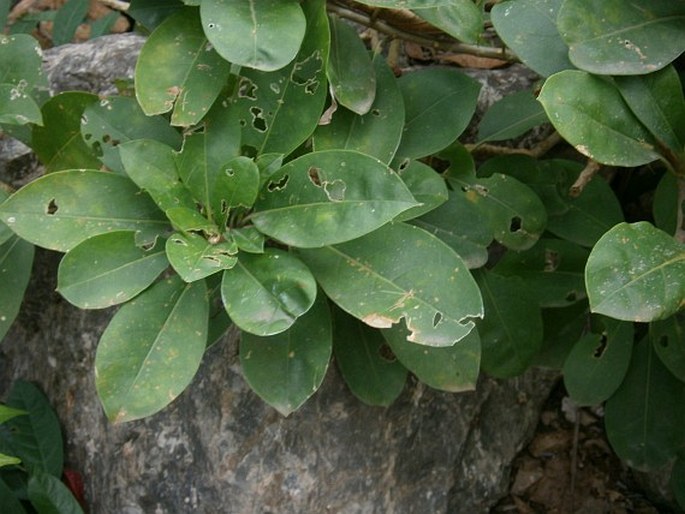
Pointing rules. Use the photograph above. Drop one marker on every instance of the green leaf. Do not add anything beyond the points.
(378, 132)
(248, 239)
(286, 369)
(35, 438)
(452, 368)
(400, 272)
(109, 123)
(562, 328)
(438, 103)
(178, 69)
(279, 111)
(194, 258)
(665, 198)
(461, 19)
(7, 413)
(102, 26)
(657, 100)
(21, 62)
(219, 322)
(237, 185)
(349, 70)
(58, 143)
(265, 294)
(678, 481)
(152, 166)
(511, 117)
(16, 260)
(668, 338)
(59, 210)
(590, 113)
(151, 13)
(5, 232)
(426, 185)
(635, 273)
(4, 12)
(328, 197)
(368, 366)
(108, 269)
(260, 34)
(613, 37)
(49, 495)
(67, 20)
(511, 330)
(529, 28)
(644, 419)
(18, 108)
(189, 220)
(9, 501)
(151, 349)
(598, 362)
(7, 460)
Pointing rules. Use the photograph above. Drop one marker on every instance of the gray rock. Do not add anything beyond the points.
(219, 448)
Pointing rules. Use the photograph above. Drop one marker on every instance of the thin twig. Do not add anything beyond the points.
(590, 170)
(117, 5)
(536, 151)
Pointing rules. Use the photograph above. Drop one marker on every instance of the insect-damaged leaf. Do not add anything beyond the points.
(151, 349)
(59, 210)
(461, 19)
(635, 273)
(427, 186)
(287, 368)
(16, 259)
(400, 271)
(21, 62)
(17, 107)
(108, 269)
(264, 294)
(194, 258)
(328, 197)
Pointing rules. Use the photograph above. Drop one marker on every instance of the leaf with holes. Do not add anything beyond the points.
(511, 117)
(529, 28)
(21, 63)
(58, 143)
(349, 69)
(426, 185)
(179, 71)
(635, 273)
(47, 493)
(668, 338)
(194, 258)
(107, 124)
(613, 37)
(595, 368)
(237, 185)
(454, 368)
(18, 108)
(190, 220)
(108, 269)
(461, 19)
(151, 349)
(287, 368)
(378, 132)
(59, 210)
(16, 259)
(438, 105)
(400, 272)
(589, 112)
(329, 197)
(368, 366)
(264, 294)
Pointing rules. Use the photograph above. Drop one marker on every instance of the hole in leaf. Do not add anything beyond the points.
(52, 208)
(375, 112)
(465, 189)
(106, 138)
(247, 89)
(258, 121)
(437, 319)
(599, 351)
(277, 185)
(242, 123)
(313, 174)
(179, 241)
(404, 165)
(515, 224)
(663, 341)
(248, 151)
(335, 191)
(211, 25)
(87, 137)
(224, 207)
(211, 260)
(551, 260)
(116, 142)
(572, 296)
(386, 353)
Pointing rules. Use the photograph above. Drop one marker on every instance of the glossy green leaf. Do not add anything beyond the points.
(595, 368)
(35, 438)
(511, 117)
(16, 260)
(378, 132)
(21, 62)
(109, 123)
(427, 187)
(668, 338)
(553, 271)
(67, 20)
(9, 501)
(635, 273)
(562, 328)
(613, 37)
(17, 107)
(260, 34)
(248, 239)
(678, 481)
(219, 322)
(108, 269)
(279, 111)
(529, 28)
(194, 258)
(644, 419)
(59, 210)
(151, 349)
(7, 460)
(152, 166)
(7, 413)
(453, 368)
(438, 104)
(5, 232)
(349, 69)
(179, 71)
(58, 143)
(368, 366)
(657, 100)
(151, 13)
(237, 185)
(461, 19)
(265, 294)
(49, 495)
(328, 197)
(287, 368)
(511, 330)
(190, 220)
(590, 113)
(665, 198)
(400, 272)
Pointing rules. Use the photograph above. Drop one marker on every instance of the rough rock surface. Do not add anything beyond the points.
(219, 448)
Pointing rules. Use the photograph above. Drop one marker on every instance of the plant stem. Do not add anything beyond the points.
(589, 171)
(536, 151)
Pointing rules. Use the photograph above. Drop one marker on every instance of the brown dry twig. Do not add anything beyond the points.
(591, 169)
(536, 151)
